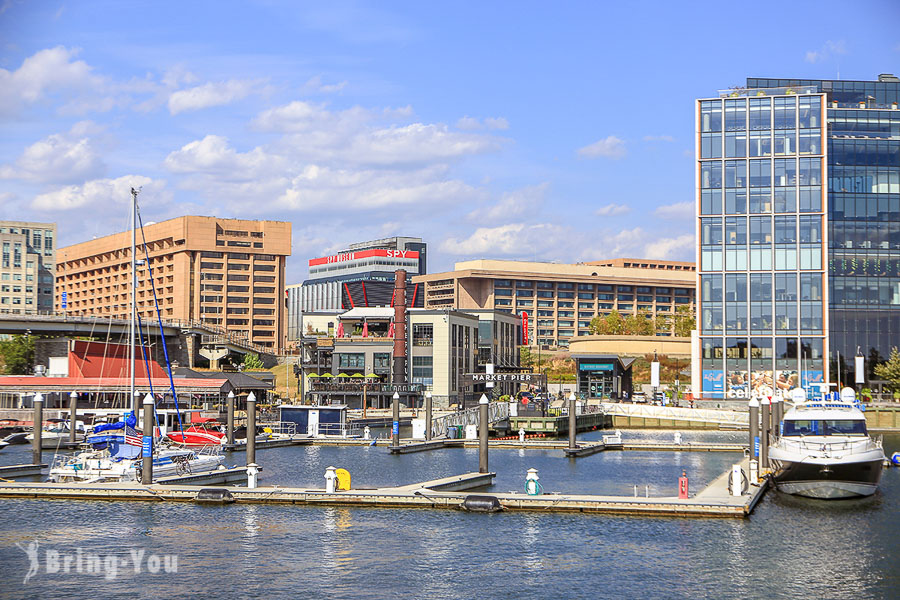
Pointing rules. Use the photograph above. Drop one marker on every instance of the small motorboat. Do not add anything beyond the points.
(16, 438)
(57, 433)
(201, 434)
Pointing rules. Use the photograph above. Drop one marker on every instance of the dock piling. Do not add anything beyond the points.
(147, 442)
(765, 406)
(395, 425)
(251, 429)
(754, 428)
(73, 415)
(427, 416)
(229, 425)
(483, 434)
(38, 425)
(572, 423)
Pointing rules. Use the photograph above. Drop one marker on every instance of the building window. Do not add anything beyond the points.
(423, 334)
(422, 370)
(352, 361)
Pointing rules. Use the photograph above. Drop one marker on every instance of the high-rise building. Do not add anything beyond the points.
(27, 268)
(227, 273)
(361, 275)
(798, 197)
(561, 299)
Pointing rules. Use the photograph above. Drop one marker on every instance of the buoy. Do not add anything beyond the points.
(895, 458)
(476, 503)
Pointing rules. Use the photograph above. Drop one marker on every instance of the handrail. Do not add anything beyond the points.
(726, 417)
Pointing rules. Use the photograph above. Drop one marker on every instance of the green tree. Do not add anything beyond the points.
(890, 370)
(252, 362)
(684, 321)
(17, 354)
(639, 324)
(526, 357)
(611, 324)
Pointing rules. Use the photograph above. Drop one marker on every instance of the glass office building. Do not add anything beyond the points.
(798, 195)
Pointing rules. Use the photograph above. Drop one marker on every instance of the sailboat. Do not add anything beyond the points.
(116, 448)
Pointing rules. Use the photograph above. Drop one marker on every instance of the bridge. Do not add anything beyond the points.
(625, 415)
(497, 411)
(191, 335)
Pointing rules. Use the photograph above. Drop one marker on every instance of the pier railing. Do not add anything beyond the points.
(706, 415)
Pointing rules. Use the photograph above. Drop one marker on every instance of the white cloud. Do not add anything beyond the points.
(612, 210)
(829, 49)
(213, 156)
(59, 158)
(43, 74)
(513, 204)
(679, 210)
(98, 192)
(473, 124)
(315, 86)
(659, 138)
(677, 248)
(211, 94)
(608, 147)
(510, 239)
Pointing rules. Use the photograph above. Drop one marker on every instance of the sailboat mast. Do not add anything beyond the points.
(134, 194)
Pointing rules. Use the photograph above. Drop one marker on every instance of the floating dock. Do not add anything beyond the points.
(21, 470)
(445, 493)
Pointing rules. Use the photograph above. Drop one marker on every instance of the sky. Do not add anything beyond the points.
(508, 130)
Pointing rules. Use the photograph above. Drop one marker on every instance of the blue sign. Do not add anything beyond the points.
(396, 429)
(713, 380)
(756, 447)
(595, 367)
(147, 446)
(64, 300)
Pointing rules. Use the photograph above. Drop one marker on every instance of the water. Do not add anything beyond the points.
(789, 547)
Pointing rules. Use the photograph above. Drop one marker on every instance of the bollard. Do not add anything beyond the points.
(251, 429)
(635, 490)
(483, 434)
(777, 415)
(764, 433)
(330, 479)
(147, 442)
(38, 425)
(367, 433)
(572, 421)
(395, 429)
(678, 437)
(754, 428)
(754, 471)
(683, 486)
(229, 425)
(427, 416)
(532, 487)
(252, 476)
(737, 486)
(73, 416)
(646, 491)
(521, 435)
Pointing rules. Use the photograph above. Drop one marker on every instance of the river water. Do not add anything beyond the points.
(788, 548)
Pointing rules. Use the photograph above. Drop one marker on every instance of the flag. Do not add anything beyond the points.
(132, 437)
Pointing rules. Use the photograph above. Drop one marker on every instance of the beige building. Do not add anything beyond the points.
(223, 272)
(561, 299)
(27, 267)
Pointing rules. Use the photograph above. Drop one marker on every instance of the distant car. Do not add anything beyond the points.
(639, 399)
(523, 396)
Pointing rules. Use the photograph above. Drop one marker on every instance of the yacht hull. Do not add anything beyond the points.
(828, 480)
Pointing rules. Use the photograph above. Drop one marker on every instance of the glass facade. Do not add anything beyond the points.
(762, 243)
(863, 227)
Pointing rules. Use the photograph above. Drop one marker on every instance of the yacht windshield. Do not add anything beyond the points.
(826, 427)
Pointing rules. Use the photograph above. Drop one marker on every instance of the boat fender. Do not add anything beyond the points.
(214, 496)
(477, 503)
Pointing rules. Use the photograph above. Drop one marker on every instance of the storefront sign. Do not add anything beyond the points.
(501, 377)
(348, 256)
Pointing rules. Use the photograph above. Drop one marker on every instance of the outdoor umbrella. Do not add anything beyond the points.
(340, 330)
(365, 329)
(391, 330)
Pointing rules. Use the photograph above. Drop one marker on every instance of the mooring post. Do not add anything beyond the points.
(229, 425)
(73, 415)
(777, 415)
(754, 429)
(572, 422)
(395, 427)
(251, 429)
(38, 425)
(428, 416)
(764, 433)
(147, 442)
(483, 434)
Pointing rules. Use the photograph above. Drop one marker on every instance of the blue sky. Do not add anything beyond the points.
(523, 130)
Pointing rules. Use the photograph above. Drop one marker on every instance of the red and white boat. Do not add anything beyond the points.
(199, 434)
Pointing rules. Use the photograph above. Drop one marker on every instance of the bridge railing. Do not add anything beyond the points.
(497, 411)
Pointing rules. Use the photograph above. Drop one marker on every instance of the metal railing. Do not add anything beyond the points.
(707, 415)
(497, 411)
(859, 446)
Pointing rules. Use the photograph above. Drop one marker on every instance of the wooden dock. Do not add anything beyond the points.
(21, 470)
(445, 493)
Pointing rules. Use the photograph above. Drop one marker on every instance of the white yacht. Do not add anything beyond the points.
(57, 433)
(103, 465)
(825, 451)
